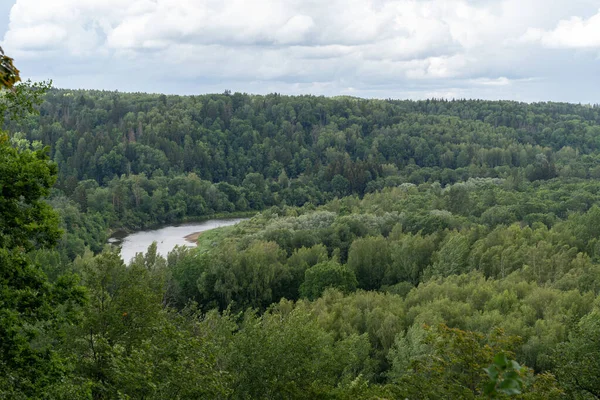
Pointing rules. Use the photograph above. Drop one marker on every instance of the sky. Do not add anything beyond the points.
(525, 50)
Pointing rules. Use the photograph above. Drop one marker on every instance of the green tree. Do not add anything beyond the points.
(129, 345)
(254, 277)
(577, 361)
(340, 186)
(452, 256)
(26, 220)
(453, 365)
(33, 311)
(410, 256)
(328, 274)
(369, 258)
(504, 377)
(9, 74)
(284, 354)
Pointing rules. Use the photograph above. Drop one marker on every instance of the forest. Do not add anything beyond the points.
(396, 249)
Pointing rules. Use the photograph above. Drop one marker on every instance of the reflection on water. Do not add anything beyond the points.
(166, 238)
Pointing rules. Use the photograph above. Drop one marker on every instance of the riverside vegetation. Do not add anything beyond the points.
(401, 249)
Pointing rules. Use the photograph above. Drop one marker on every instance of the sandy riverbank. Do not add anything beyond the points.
(193, 237)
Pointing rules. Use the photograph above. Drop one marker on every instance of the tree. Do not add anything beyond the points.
(452, 256)
(17, 101)
(504, 377)
(129, 345)
(340, 186)
(450, 363)
(577, 362)
(542, 168)
(26, 220)
(301, 260)
(9, 74)
(285, 354)
(410, 256)
(251, 278)
(33, 311)
(328, 274)
(369, 258)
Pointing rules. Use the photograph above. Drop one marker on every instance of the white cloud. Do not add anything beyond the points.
(501, 81)
(334, 46)
(574, 32)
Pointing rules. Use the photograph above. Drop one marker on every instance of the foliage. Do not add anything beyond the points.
(577, 359)
(401, 247)
(9, 74)
(504, 377)
(28, 222)
(328, 274)
(33, 311)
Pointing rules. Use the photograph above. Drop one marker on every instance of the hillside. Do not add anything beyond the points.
(399, 248)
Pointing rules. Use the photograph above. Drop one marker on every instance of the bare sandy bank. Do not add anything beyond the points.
(193, 237)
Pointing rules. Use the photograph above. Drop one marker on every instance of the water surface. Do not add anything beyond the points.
(166, 238)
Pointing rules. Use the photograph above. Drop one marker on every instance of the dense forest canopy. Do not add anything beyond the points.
(135, 160)
(310, 140)
(400, 249)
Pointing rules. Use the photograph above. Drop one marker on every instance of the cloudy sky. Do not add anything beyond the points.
(528, 50)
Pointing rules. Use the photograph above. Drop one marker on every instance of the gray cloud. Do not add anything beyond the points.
(519, 49)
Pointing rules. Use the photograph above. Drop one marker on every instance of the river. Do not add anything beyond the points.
(166, 238)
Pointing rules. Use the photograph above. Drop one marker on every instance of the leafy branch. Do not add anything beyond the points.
(504, 377)
(9, 74)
